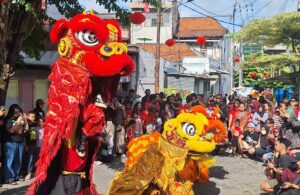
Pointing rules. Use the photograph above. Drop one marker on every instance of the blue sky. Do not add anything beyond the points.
(222, 8)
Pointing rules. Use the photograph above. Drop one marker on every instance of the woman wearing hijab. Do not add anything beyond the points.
(260, 117)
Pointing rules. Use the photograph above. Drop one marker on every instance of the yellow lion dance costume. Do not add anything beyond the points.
(169, 163)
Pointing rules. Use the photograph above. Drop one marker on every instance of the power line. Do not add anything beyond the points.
(263, 7)
(283, 6)
(214, 14)
(212, 17)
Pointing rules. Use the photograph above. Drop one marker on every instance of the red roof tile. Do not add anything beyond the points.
(196, 27)
(173, 53)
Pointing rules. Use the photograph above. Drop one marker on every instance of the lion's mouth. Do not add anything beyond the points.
(106, 87)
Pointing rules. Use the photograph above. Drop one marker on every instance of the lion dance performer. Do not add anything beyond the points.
(169, 163)
(92, 59)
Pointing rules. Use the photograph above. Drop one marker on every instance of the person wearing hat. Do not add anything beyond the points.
(248, 140)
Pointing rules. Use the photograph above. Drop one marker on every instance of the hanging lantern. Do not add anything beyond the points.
(170, 42)
(201, 40)
(137, 18)
(236, 60)
(264, 75)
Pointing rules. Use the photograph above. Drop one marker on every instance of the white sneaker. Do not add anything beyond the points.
(98, 163)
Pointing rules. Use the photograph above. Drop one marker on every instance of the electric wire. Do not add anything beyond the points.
(211, 16)
(283, 7)
(214, 14)
(267, 4)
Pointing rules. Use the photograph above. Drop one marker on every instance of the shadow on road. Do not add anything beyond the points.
(217, 172)
(16, 191)
(117, 164)
(210, 187)
(207, 188)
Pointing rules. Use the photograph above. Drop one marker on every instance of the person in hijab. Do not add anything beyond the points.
(260, 117)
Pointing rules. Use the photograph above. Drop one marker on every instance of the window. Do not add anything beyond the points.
(151, 19)
(166, 19)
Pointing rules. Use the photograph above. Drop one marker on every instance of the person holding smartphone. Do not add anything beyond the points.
(16, 126)
(274, 170)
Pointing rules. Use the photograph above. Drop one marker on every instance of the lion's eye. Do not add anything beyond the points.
(189, 129)
(87, 38)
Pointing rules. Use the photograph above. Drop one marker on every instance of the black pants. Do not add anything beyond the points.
(69, 185)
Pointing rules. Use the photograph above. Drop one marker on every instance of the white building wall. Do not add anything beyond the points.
(213, 50)
(181, 83)
(148, 29)
(196, 65)
(150, 33)
(147, 70)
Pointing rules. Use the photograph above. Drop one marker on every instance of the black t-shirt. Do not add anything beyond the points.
(284, 161)
(15, 137)
(40, 114)
(250, 137)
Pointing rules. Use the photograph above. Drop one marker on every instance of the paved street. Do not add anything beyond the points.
(230, 176)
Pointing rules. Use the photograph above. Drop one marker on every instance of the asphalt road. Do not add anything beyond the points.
(230, 176)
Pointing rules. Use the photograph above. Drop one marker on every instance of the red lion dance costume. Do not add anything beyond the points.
(92, 59)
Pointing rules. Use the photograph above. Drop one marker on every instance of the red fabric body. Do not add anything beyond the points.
(71, 161)
(68, 94)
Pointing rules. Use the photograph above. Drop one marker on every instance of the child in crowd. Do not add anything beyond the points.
(236, 132)
(40, 135)
(130, 131)
(31, 143)
(158, 122)
(138, 129)
(150, 128)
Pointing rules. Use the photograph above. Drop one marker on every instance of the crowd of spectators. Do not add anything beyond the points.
(21, 136)
(258, 128)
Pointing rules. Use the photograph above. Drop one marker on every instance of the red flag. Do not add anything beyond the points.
(146, 8)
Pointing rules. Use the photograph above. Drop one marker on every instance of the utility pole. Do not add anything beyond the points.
(298, 9)
(233, 50)
(157, 60)
(240, 69)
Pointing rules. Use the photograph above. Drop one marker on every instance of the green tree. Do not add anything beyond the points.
(279, 29)
(21, 24)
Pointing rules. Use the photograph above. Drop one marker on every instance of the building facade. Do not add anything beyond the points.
(147, 31)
